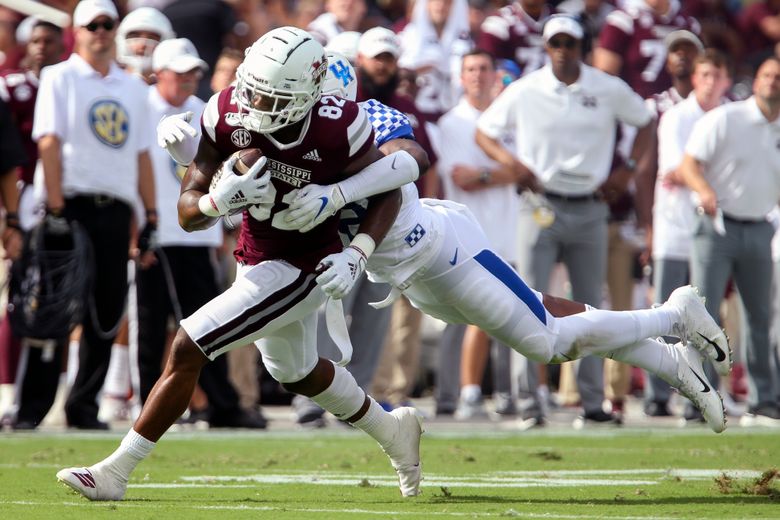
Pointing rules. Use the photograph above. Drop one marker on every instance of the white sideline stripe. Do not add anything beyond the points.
(502, 479)
(387, 482)
(686, 473)
(508, 513)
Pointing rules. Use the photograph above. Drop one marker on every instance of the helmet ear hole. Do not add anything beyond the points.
(286, 65)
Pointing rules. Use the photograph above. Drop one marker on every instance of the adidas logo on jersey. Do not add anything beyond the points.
(313, 156)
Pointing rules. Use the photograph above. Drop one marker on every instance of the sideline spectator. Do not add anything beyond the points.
(181, 277)
(98, 193)
(471, 178)
(515, 33)
(732, 162)
(564, 118)
(19, 88)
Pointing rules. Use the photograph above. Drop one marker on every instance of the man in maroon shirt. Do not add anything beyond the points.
(19, 88)
(306, 138)
(515, 33)
(631, 44)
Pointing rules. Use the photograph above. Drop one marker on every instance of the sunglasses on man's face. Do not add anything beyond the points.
(108, 25)
(562, 43)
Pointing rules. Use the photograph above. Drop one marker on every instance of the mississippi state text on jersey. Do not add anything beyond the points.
(335, 133)
(637, 34)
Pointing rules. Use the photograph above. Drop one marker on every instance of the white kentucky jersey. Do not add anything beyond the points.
(167, 179)
(101, 123)
(406, 246)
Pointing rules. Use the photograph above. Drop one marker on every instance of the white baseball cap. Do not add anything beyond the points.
(683, 35)
(375, 41)
(562, 24)
(345, 43)
(178, 55)
(87, 10)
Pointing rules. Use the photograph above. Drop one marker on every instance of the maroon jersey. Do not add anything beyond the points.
(512, 34)
(19, 89)
(750, 25)
(337, 133)
(637, 34)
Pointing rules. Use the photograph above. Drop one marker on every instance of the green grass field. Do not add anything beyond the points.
(628, 474)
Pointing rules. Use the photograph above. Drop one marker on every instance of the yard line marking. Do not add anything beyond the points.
(509, 512)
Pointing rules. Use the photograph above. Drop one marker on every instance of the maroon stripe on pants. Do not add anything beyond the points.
(307, 284)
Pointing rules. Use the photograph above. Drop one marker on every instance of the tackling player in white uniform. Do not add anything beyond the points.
(439, 258)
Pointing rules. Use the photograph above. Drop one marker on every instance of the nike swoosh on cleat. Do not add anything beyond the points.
(392, 166)
(324, 202)
(706, 387)
(454, 258)
(720, 355)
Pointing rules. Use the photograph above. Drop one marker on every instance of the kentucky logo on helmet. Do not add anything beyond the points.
(109, 122)
(341, 71)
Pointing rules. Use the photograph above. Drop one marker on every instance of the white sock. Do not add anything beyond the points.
(73, 362)
(601, 332)
(343, 398)
(117, 383)
(470, 393)
(657, 357)
(378, 423)
(132, 450)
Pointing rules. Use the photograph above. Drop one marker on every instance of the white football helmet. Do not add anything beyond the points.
(340, 80)
(136, 53)
(279, 80)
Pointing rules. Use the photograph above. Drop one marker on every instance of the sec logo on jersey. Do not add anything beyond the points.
(109, 122)
(241, 137)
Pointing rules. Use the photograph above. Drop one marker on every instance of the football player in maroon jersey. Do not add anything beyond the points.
(515, 33)
(631, 44)
(276, 106)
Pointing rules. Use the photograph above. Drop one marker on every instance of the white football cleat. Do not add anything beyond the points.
(404, 450)
(698, 327)
(691, 381)
(93, 483)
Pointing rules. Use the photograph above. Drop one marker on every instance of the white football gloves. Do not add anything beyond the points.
(341, 271)
(313, 205)
(230, 192)
(178, 137)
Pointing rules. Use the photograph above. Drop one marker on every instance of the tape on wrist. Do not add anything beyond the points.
(364, 244)
(207, 206)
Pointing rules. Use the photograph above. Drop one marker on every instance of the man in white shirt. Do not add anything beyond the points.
(673, 210)
(473, 179)
(564, 118)
(732, 162)
(93, 138)
(181, 277)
